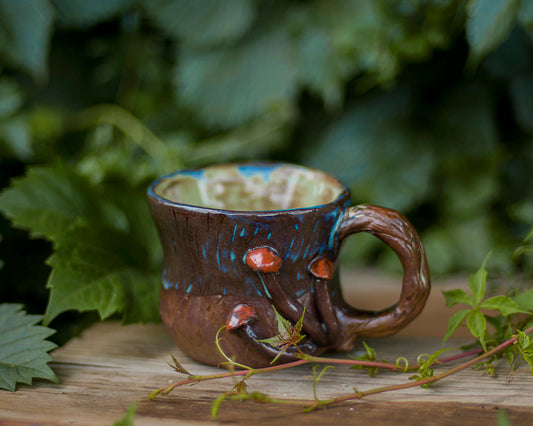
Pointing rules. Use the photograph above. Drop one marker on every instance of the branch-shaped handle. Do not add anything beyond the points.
(396, 231)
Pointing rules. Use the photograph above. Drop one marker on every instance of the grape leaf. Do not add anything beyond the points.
(98, 268)
(524, 299)
(231, 85)
(477, 325)
(202, 22)
(455, 321)
(455, 296)
(24, 350)
(25, 29)
(477, 282)
(489, 23)
(50, 200)
(505, 305)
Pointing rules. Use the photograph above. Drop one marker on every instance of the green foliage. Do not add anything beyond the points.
(370, 355)
(105, 253)
(288, 336)
(476, 321)
(97, 98)
(129, 417)
(489, 23)
(25, 31)
(24, 350)
(426, 363)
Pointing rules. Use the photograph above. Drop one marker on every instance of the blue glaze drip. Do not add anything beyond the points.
(243, 232)
(233, 257)
(196, 174)
(289, 250)
(189, 288)
(253, 170)
(300, 292)
(264, 286)
(249, 283)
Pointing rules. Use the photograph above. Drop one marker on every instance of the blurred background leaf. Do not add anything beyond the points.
(425, 106)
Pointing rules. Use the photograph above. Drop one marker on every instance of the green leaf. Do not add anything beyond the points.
(455, 296)
(49, 201)
(524, 300)
(11, 97)
(368, 139)
(320, 67)
(15, 138)
(202, 22)
(489, 23)
(25, 30)
(104, 270)
(24, 350)
(128, 418)
(455, 321)
(284, 326)
(299, 325)
(83, 13)
(503, 419)
(505, 305)
(231, 85)
(477, 325)
(526, 16)
(477, 282)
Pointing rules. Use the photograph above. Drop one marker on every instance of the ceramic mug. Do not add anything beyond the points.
(242, 240)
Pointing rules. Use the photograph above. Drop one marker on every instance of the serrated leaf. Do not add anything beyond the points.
(489, 23)
(25, 29)
(455, 296)
(503, 304)
(231, 85)
(299, 325)
(104, 270)
(284, 327)
(275, 341)
(477, 282)
(49, 201)
(202, 22)
(24, 350)
(477, 325)
(454, 322)
(524, 300)
(82, 13)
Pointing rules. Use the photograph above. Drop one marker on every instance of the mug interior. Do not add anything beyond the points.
(256, 187)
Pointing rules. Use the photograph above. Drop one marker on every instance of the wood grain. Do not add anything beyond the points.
(110, 367)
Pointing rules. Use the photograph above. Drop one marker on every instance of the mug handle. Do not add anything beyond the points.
(394, 230)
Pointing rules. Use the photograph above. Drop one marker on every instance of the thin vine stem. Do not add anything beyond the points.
(347, 397)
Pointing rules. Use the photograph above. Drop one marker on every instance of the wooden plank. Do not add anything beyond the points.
(110, 367)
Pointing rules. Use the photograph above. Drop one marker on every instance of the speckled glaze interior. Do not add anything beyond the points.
(250, 187)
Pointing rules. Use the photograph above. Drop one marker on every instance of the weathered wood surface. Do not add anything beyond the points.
(110, 367)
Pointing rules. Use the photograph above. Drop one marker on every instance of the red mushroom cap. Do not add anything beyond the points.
(263, 259)
(322, 267)
(239, 316)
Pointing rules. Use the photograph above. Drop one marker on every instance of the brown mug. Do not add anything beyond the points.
(245, 240)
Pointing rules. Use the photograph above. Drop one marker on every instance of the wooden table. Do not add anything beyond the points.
(110, 367)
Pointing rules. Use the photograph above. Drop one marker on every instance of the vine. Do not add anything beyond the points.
(509, 338)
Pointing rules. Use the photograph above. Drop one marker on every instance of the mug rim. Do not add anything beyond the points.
(342, 198)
